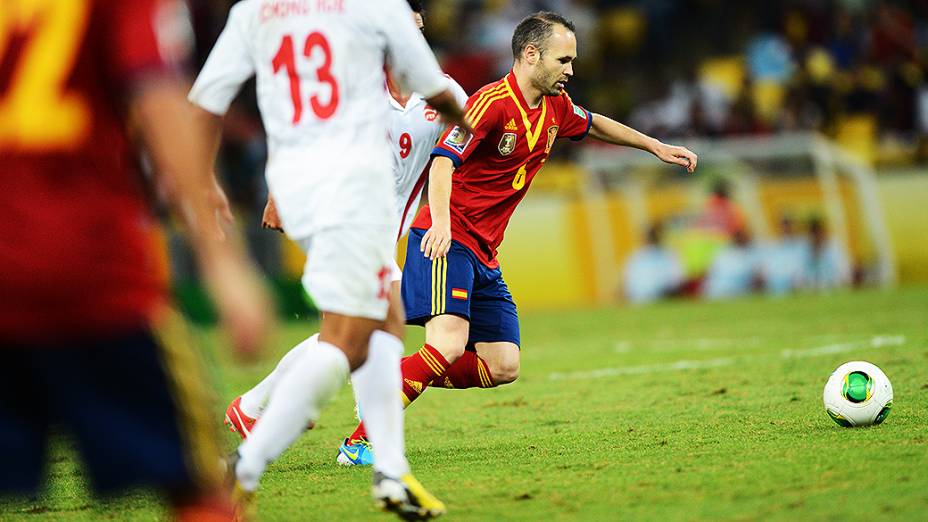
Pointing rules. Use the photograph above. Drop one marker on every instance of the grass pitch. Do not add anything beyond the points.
(679, 411)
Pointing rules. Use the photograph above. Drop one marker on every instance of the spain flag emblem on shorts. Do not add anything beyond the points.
(459, 293)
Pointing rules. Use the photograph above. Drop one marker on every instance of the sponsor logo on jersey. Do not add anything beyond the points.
(457, 140)
(415, 385)
(552, 134)
(507, 143)
(430, 113)
(511, 126)
(579, 112)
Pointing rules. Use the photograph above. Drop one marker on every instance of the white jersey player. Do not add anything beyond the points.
(414, 129)
(319, 67)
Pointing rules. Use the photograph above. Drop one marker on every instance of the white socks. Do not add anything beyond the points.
(313, 377)
(377, 388)
(253, 400)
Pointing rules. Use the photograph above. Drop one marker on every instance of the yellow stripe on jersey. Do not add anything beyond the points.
(478, 104)
(490, 101)
(185, 375)
(482, 98)
(531, 137)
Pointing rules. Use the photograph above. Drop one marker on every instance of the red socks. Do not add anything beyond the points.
(470, 371)
(428, 367)
(419, 369)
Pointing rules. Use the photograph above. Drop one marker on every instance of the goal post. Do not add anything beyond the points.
(801, 174)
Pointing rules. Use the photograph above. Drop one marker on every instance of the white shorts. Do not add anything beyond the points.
(349, 269)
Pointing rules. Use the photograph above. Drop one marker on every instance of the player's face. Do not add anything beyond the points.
(555, 67)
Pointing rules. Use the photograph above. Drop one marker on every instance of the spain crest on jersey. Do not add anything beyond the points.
(507, 143)
(552, 135)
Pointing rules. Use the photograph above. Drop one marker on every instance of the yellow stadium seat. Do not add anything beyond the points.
(857, 135)
(768, 98)
(726, 72)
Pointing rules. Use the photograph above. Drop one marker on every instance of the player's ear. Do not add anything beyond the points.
(531, 54)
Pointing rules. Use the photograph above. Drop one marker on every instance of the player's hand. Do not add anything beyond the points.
(270, 219)
(244, 307)
(436, 242)
(677, 156)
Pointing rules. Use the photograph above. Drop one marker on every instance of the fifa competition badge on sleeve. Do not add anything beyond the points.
(457, 139)
(579, 112)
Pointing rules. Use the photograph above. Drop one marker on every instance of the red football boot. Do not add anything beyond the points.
(237, 421)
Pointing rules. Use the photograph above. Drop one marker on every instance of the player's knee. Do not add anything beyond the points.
(450, 350)
(505, 371)
(447, 334)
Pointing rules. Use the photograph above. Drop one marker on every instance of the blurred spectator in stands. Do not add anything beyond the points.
(769, 58)
(721, 215)
(820, 65)
(736, 269)
(826, 263)
(783, 261)
(846, 42)
(743, 117)
(690, 106)
(653, 271)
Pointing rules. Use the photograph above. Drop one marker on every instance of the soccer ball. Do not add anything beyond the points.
(858, 394)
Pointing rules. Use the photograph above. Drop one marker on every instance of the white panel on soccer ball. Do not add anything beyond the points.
(858, 394)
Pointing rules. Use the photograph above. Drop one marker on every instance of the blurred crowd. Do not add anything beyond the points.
(726, 262)
(852, 69)
(679, 68)
(715, 67)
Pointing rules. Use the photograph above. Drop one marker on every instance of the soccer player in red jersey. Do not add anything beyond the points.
(87, 338)
(452, 283)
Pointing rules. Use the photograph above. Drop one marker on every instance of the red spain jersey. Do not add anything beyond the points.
(77, 251)
(495, 166)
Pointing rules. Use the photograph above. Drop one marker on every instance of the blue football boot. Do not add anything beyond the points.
(355, 452)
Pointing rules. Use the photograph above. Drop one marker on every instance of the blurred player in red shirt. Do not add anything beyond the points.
(86, 335)
(452, 283)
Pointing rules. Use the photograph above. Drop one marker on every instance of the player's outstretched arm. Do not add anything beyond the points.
(611, 131)
(180, 145)
(437, 240)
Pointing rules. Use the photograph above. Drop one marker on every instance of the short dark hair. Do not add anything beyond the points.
(416, 6)
(535, 29)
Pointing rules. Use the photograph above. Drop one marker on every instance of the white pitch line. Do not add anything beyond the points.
(697, 344)
(878, 341)
(637, 370)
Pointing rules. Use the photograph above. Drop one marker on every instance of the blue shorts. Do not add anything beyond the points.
(133, 404)
(458, 284)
